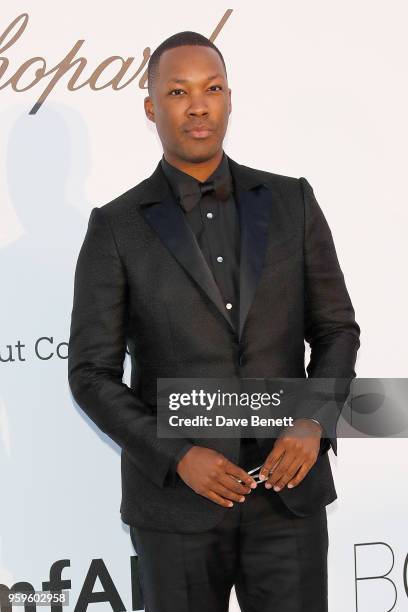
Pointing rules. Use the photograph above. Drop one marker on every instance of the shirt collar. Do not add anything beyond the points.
(181, 182)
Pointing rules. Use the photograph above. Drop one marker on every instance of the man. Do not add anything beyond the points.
(212, 269)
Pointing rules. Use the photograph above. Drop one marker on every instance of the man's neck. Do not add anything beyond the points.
(201, 170)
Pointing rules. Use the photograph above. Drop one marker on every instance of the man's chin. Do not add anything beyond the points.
(201, 153)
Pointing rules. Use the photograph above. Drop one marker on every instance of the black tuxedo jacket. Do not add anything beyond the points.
(142, 282)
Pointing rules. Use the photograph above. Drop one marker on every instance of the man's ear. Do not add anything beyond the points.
(149, 108)
(229, 102)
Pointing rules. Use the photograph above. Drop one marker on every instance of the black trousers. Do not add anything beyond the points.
(276, 560)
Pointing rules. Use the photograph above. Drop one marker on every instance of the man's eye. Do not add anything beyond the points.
(178, 89)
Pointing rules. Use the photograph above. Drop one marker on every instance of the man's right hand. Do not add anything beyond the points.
(212, 475)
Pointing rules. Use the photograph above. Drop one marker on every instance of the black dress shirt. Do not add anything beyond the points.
(215, 224)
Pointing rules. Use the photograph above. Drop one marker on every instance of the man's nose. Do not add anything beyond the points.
(198, 106)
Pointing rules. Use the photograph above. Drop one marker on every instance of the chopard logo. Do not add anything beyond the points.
(36, 70)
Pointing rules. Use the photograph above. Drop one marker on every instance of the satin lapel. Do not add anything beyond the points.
(168, 220)
(254, 213)
(253, 198)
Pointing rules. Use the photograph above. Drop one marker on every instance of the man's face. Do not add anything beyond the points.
(185, 97)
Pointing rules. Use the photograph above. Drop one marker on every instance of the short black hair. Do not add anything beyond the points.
(176, 40)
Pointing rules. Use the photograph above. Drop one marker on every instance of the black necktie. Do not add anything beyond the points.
(220, 184)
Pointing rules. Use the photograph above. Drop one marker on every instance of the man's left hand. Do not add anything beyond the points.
(293, 455)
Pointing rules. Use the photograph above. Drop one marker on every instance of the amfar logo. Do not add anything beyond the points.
(35, 69)
(97, 570)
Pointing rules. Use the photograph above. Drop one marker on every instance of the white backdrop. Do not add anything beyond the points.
(319, 89)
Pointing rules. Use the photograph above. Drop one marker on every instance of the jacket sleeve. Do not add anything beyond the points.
(172, 475)
(330, 326)
(96, 352)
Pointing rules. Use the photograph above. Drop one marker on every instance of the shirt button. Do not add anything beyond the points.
(209, 215)
(220, 258)
(228, 305)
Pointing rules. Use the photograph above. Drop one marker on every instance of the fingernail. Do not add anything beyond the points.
(242, 499)
(268, 485)
(275, 488)
(262, 477)
(253, 485)
(290, 486)
(230, 504)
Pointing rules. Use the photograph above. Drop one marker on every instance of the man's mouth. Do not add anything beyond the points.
(200, 132)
